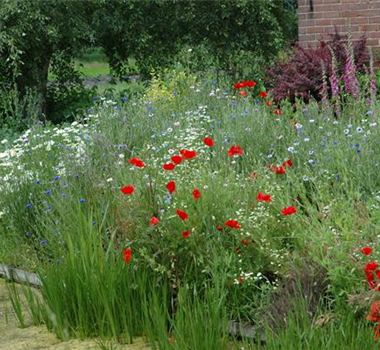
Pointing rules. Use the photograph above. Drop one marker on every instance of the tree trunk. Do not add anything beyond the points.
(42, 91)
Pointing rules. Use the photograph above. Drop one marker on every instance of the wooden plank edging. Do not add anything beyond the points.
(19, 276)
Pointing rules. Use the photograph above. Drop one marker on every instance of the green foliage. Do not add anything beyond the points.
(155, 32)
(38, 36)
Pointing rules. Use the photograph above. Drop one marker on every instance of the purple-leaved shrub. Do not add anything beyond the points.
(301, 76)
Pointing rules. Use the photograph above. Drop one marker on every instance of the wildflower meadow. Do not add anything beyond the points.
(205, 212)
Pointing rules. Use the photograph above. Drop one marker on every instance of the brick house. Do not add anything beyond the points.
(318, 18)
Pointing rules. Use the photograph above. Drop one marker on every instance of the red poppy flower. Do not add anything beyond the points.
(288, 163)
(232, 224)
(277, 112)
(249, 83)
(186, 154)
(372, 283)
(238, 85)
(263, 94)
(176, 159)
(289, 211)
(182, 214)
(235, 150)
(209, 141)
(366, 250)
(261, 197)
(277, 169)
(136, 162)
(170, 186)
(371, 266)
(243, 93)
(374, 315)
(377, 332)
(127, 189)
(127, 255)
(154, 221)
(370, 269)
(243, 84)
(219, 228)
(168, 166)
(280, 170)
(268, 103)
(196, 194)
(185, 234)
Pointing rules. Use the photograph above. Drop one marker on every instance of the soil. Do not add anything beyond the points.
(38, 338)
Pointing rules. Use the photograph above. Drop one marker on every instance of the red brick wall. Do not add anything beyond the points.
(363, 16)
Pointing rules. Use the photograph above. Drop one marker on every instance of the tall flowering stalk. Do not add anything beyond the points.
(372, 76)
(350, 80)
(334, 82)
(324, 91)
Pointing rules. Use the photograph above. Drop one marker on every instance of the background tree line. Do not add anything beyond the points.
(38, 37)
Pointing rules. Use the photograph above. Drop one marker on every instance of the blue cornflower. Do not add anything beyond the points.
(82, 200)
(76, 176)
(93, 223)
(56, 178)
(124, 99)
(150, 108)
(357, 144)
(337, 176)
(168, 198)
(48, 192)
(63, 195)
(175, 94)
(335, 143)
(43, 241)
(358, 151)
(37, 182)
(28, 206)
(48, 208)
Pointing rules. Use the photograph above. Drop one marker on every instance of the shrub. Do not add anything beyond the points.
(301, 75)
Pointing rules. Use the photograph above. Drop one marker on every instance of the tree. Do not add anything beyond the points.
(153, 32)
(39, 36)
